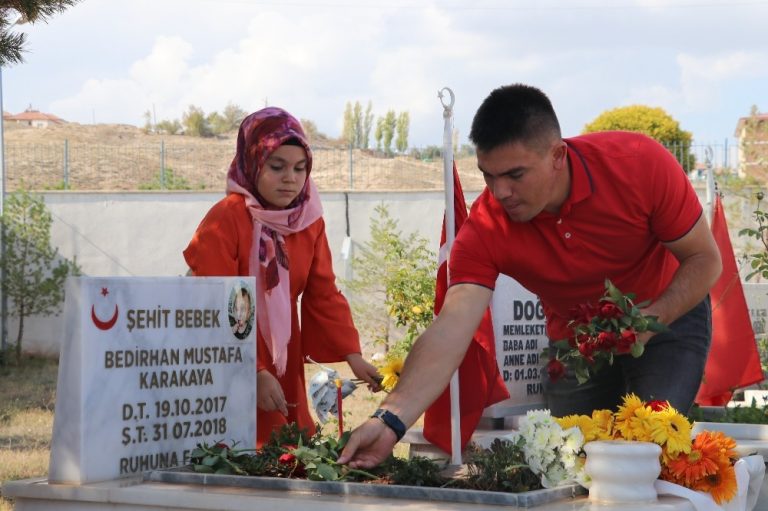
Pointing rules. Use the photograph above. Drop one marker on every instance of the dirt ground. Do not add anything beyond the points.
(121, 157)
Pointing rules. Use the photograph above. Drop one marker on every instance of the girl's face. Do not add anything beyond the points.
(283, 176)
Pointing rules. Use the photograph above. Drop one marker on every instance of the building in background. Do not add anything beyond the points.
(752, 132)
(33, 118)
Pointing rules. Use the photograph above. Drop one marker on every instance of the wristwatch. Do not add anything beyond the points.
(392, 421)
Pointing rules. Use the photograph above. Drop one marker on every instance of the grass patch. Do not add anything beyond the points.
(27, 398)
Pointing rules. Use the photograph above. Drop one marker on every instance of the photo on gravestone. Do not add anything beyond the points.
(149, 368)
(519, 327)
(241, 310)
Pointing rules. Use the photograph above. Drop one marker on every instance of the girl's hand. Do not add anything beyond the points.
(364, 371)
(269, 393)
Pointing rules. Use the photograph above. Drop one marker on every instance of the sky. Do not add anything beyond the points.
(105, 61)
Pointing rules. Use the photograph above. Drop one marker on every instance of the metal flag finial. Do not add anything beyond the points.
(447, 109)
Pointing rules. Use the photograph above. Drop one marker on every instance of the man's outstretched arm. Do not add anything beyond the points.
(434, 357)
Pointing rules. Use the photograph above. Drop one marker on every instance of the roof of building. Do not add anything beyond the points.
(740, 124)
(33, 115)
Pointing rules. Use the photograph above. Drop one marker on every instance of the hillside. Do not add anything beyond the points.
(122, 157)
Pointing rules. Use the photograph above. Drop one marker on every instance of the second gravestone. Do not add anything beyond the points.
(149, 368)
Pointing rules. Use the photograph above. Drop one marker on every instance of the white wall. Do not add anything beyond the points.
(144, 234)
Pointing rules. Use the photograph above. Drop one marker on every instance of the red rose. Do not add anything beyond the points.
(555, 370)
(222, 445)
(608, 310)
(606, 341)
(287, 459)
(658, 405)
(583, 313)
(587, 349)
(625, 341)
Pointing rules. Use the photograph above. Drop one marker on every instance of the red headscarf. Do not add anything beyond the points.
(260, 134)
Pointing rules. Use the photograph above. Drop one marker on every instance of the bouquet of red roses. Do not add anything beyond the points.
(600, 333)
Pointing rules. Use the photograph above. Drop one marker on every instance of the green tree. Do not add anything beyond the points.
(148, 128)
(30, 11)
(348, 128)
(33, 273)
(169, 127)
(357, 116)
(388, 130)
(394, 284)
(195, 122)
(233, 115)
(654, 122)
(217, 123)
(367, 125)
(379, 134)
(403, 125)
(310, 129)
(758, 260)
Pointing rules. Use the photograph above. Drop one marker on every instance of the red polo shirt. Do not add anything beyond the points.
(628, 195)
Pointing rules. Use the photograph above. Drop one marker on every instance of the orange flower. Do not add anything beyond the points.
(721, 485)
(687, 469)
(716, 445)
(708, 467)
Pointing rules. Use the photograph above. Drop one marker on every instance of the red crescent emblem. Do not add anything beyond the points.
(103, 325)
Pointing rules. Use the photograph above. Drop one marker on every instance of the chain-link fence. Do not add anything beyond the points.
(166, 166)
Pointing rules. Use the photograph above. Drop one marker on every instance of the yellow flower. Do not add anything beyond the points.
(391, 373)
(672, 430)
(627, 417)
(416, 309)
(583, 422)
(641, 425)
(603, 421)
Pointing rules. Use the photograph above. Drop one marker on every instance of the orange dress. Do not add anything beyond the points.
(221, 247)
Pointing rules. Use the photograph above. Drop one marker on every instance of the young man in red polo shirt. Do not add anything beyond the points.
(561, 216)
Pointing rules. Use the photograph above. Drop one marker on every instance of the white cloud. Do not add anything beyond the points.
(312, 60)
(703, 80)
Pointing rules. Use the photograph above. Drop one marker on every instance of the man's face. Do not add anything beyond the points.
(526, 180)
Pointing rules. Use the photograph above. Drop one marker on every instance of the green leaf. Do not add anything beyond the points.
(562, 345)
(637, 349)
(203, 469)
(211, 460)
(582, 374)
(326, 472)
(197, 453)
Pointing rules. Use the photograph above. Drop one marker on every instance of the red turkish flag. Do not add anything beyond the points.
(480, 382)
(734, 361)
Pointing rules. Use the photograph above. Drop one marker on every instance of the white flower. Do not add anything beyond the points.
(573, 440)
(554, 476)
(550, 452)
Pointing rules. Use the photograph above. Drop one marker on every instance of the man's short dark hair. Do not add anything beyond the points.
(514, 113)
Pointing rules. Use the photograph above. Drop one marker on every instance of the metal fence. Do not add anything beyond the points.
(198, 166)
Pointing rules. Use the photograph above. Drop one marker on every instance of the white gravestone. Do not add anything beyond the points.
(149, 368)
(757, 301)
(519, 327)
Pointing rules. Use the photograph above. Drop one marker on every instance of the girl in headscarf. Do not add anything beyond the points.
(270, 225)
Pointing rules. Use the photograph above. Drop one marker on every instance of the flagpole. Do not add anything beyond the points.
(710, 185)
(450, 234)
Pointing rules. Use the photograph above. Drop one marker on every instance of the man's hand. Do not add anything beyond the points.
(269, 393)
(369, 445)
(364, 371)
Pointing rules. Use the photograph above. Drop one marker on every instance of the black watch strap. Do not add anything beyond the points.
(392, 421)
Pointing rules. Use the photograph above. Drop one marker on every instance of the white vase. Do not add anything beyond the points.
(622, 471)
